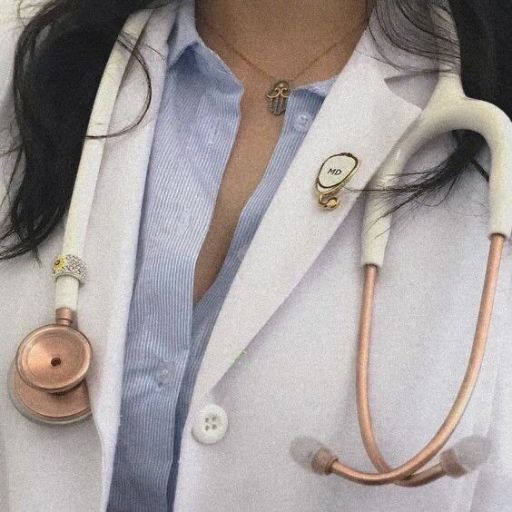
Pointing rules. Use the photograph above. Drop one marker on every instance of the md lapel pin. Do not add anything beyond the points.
(334, 174)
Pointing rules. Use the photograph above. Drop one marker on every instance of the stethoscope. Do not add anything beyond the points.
(47, 377)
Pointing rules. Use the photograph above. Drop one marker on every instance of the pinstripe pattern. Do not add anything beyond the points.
(167, 335)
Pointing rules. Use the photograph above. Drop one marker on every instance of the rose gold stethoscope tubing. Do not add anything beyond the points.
(363, 402)
(405, 474)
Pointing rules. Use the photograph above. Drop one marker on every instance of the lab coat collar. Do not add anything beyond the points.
(111, 244)
(360, 114)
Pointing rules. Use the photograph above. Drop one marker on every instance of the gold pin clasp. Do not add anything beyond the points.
(334, 174)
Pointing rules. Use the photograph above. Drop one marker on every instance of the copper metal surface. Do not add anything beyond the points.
(50, 408)
(363, 407)
(323, 461)
(54, 358)
(46, 379)
(406, 473)
(65, 316)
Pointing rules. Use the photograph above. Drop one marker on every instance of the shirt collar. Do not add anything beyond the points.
(184, 35)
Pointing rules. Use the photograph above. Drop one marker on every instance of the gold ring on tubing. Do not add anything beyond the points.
(406, 473)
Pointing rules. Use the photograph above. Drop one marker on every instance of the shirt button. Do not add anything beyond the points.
(165, 373)
(302, 122)
(212, 133)
(210, 425)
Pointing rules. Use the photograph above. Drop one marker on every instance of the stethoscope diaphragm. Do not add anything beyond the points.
(49, 408)
(47, 376)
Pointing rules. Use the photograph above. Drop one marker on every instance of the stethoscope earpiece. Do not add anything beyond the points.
(448, 110)
(466, 456)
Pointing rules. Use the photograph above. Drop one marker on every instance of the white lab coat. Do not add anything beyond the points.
(291, 312)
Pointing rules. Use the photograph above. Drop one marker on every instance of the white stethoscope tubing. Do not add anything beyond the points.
(448, 110)
(67, 287)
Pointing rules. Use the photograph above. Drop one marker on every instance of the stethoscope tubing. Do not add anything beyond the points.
(448, 110)
(463, 396)
(47, 377)
(67, 287)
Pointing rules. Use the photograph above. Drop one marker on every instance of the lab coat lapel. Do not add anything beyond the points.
(113, 233)
(360, 115)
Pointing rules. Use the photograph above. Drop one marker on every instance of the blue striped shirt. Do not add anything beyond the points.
(167, 334)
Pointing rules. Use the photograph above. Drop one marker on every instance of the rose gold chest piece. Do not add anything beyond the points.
(46, 379)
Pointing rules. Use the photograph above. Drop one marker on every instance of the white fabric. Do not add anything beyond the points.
(293, 310)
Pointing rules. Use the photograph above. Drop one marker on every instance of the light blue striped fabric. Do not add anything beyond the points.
(167, 335)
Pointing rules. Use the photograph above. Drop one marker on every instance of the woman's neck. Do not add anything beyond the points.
(283, 36)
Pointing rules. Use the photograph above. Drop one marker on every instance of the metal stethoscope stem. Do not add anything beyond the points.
(406, 474)
(410, 474)
(465, 391)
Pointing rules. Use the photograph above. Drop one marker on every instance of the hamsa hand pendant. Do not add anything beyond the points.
(277, 97)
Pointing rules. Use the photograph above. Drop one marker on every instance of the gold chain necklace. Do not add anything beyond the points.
(277, 95)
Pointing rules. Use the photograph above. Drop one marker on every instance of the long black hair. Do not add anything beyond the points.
(62, 51)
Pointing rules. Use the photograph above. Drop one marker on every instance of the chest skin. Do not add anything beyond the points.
(257, 135)
(249, 157)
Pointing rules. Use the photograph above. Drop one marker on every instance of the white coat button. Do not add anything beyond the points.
(210, 425)
(302, 122)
